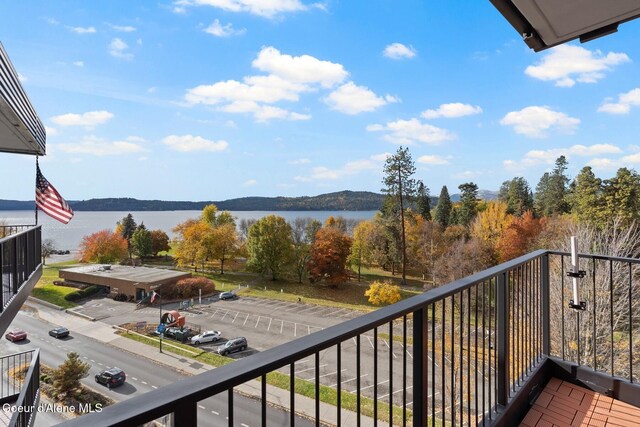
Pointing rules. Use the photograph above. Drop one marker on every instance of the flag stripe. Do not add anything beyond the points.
(50, 201)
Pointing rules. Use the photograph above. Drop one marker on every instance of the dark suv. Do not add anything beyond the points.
(111, 377)
(233, 345)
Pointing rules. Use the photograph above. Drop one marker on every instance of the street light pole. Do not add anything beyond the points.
(162, 330)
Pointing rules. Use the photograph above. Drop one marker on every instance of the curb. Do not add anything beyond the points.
(45, 303)
(75, 313)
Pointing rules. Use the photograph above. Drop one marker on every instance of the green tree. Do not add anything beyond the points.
(399, 184)
(468, 203)
(443, 208)
(423, 201)
(141, 242)
(269, 245)
(551, 192)
(622, 197)
(586, 198)
(66, 378)
(127, 226)
(517, 194)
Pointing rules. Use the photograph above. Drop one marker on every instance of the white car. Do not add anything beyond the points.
(208, 336)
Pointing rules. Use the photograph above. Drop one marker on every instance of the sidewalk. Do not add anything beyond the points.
(105, 333)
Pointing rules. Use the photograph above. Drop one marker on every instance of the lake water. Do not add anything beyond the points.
(83, 223)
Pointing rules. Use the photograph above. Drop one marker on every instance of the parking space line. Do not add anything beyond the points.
(269, 327)
(370, 342)
(234, 317)
(387, 344)
(308, 330)
(225, 315)
(201, 407)
(257, 321)
(295, 329)
(349, 380)
(215, 413)
(245, 319)
(326, 375)
(369, 386)
(281, 326)
(397, 391)
(310, 369)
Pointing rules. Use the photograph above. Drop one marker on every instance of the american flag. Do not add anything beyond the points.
(50, 201)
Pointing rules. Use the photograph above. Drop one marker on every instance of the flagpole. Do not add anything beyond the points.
(36, 204)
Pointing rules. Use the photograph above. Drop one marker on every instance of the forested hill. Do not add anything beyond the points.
(340, 201)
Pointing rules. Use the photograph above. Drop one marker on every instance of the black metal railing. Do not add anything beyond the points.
(20, 386)
(20, 257)
(462, 354)
(7, 230)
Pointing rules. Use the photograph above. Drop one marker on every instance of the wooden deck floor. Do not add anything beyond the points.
(564, 404)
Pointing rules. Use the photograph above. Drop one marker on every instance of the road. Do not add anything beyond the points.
(142, 376)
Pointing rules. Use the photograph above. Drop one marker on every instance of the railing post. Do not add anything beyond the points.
(502, 345)
(420, 360)
(186, 415)
(14, 267)
(544, 295)
(1, 277)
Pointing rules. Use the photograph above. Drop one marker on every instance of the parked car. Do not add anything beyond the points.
(233, 345)
(59, 332)
(208, 336)
(112, 377)
(16, 335)
(227, 295)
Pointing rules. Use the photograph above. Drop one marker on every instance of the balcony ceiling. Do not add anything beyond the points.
(21, 130)
(547, 23)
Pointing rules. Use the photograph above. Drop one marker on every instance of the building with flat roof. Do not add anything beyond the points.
(134, 282)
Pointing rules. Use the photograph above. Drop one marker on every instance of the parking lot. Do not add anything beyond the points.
(268, 323)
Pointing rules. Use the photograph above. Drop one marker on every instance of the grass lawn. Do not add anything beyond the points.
(280, 380)
(47, 291)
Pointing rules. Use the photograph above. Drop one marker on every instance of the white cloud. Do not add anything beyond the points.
(188, 143)
(537, 122)
(50, 131)
(300, 162)
(22, 78)
(433, 160)
(352, 99)
(51, 21)
(624, 104)
(468, 174)
(303, 69)
(227, 30)
(399, 51)
(267, 89)
(263, 113)
(89, 119)
(124, 28)
(548, 157)
(119, 49)
(249, 183)
(452, 110)
(83, 30)
(152, 89)
(78, 64)
(264, 8)
(407, 132)
(99, 147)
(322, 173)
(566, 64)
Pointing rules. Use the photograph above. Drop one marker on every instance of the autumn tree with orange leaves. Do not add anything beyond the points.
(103, 247)
(329, 254)
(517, 238)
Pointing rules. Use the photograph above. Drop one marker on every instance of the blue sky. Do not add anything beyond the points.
(215, 99)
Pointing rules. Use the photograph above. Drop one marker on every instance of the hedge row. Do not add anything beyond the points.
(83, 293)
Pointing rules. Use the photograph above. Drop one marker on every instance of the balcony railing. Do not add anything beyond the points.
(472, 352)
(20, 385)
(20, 269)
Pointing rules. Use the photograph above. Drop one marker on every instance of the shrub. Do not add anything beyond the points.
(120, 297)
(83, 293)
(383, 293)
(188, 288)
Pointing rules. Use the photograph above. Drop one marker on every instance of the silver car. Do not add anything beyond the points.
(207, 336)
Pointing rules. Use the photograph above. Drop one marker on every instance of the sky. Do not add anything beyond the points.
(215, 99)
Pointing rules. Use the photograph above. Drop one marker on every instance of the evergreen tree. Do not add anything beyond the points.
(468, 203)
(586, 198)
(551, 192)
(67, 377)
(622, 196)
(443, 208)
(141, 242)
(399, 184)
(127, 227)
(423, 202)
(517, 195)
